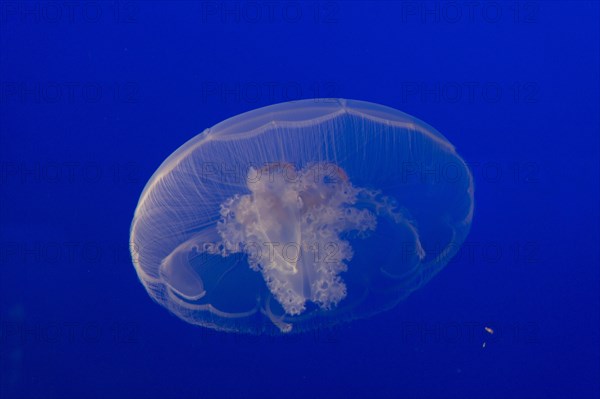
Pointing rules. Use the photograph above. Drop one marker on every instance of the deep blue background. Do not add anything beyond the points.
(95, 95)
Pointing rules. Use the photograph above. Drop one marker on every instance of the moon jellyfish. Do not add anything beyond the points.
(300, 215)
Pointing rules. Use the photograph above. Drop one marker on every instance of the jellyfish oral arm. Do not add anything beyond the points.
(286, 224)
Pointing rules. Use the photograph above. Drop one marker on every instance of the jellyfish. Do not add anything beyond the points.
(300, 215)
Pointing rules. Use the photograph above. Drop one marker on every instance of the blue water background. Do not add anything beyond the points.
(95, 95)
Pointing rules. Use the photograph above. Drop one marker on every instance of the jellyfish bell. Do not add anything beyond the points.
(300, 215)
